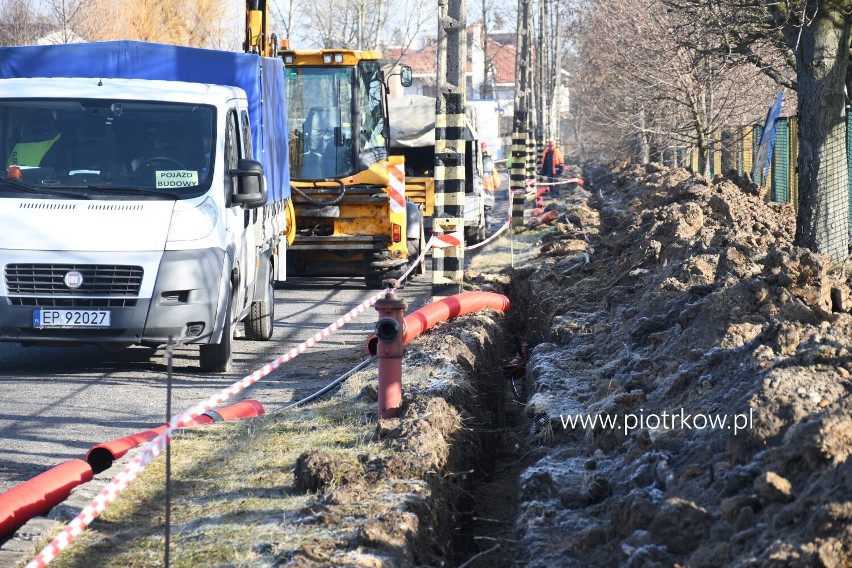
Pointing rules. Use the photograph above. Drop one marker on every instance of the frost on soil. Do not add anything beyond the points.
(695, 302)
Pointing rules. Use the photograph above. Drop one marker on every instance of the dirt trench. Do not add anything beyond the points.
(416, 495)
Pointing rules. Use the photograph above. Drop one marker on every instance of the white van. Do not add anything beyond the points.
(134, 212)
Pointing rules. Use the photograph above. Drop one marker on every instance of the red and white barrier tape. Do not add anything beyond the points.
(491, 238)
(447, 240)
(561, 182)
(153, 448)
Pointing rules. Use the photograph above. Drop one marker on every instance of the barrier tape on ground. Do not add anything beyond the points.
(155, 447)
(491, 238)
(560, 182)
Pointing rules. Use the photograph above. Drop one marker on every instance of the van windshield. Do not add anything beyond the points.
(104, 148)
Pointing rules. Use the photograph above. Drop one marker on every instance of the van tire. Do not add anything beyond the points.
(258, 324)
(216, 357)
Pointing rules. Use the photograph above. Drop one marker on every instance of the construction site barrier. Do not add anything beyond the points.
(156, 445)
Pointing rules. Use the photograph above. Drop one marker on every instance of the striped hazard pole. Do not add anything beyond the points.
(531, 157)
(450, 124)
(517, 175)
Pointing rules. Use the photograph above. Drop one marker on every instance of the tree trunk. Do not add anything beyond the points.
(821, 59)
(643, 144)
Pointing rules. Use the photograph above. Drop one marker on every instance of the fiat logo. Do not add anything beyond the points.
(73, 279)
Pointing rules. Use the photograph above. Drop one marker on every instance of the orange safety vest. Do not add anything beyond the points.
(557, 160)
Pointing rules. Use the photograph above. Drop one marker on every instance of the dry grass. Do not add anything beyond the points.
(233, 502)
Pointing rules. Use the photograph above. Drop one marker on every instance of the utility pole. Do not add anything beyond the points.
(450, 121)
(520, 123)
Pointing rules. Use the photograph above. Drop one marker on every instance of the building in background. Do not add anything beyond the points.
(494, 83)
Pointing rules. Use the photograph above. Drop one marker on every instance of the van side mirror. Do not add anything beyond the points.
(405, 76)
(251, 190)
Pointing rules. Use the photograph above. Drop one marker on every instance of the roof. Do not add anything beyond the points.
(503, 58)
(425, 61)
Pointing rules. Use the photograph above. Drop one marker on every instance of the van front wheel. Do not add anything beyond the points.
(259, 322)
(216, 357)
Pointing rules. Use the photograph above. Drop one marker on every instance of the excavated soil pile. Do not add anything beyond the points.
(694, 307)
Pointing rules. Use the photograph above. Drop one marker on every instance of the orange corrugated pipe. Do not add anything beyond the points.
(46, 490)
(432, 314)
(40, 494)
(102, 455)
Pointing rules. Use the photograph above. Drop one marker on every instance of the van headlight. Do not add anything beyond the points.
(192, 223)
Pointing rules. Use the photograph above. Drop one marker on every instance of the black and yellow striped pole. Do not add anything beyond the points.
(450, 124)
(520, 123)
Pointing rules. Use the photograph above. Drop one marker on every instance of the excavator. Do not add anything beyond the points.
(351, 215)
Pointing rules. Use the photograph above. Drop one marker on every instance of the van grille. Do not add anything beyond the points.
(98, 280)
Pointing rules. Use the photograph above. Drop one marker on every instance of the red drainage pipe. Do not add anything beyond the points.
(432, 314)
(543, 217)
(101, 456)
(40, 494)
(44, 491)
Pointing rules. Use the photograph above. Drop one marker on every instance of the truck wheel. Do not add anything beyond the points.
(373, 275)
(262, 315)
(373, 279)
(216, 357)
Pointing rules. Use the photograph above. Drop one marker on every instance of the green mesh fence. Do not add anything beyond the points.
(728, 159)
(849, 162)
(781, 162)
(756, 132)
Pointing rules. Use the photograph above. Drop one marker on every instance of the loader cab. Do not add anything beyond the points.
(336, 111)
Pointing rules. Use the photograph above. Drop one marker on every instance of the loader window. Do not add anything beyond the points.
(320, 119)
(371, 107)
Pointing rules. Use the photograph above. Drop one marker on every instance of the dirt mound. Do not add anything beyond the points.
(713, 357)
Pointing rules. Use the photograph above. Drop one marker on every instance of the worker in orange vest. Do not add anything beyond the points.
(551, 166)
(490, 175)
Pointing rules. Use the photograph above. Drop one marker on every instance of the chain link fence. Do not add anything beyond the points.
(735, 149)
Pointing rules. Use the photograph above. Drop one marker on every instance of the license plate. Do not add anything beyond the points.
(43, 317)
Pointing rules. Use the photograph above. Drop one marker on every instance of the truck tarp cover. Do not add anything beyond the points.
(261, 78)
(412, 122)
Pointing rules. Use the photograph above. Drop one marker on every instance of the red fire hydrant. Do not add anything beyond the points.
(389, 350)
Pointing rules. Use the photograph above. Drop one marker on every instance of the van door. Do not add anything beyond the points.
(251, 217)
(238, 218)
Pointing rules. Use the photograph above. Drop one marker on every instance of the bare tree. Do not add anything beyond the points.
(656, 89)
(414, 16)
(355, 24)
(287, 16)
(193, 23)
(19, 23)
(66, 16)
(812, 37)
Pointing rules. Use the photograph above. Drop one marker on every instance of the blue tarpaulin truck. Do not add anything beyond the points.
(144, 195)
